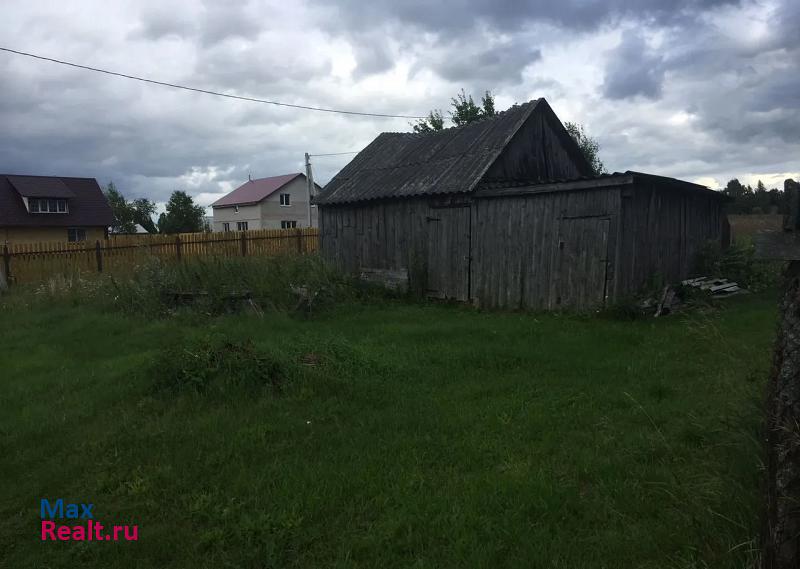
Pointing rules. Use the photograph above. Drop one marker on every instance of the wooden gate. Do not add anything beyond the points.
(449, 253)
(581, 262)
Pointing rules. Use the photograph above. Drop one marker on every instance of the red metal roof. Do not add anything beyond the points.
(253, 191)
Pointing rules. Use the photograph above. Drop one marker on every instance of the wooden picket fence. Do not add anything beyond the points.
(120, 254)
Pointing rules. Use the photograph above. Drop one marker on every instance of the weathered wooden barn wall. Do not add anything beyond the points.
(528, 248)
(545, 251)
(388, 234)
(662, 230)
(538, 151)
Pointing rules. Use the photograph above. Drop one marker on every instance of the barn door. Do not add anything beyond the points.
(448, 253)
(582, 262)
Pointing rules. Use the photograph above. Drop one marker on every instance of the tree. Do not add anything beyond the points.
(143, 211)
(182, 215)
(588, 145)
(433, 122)
(464, 112)
(128, 214)
(123, 218)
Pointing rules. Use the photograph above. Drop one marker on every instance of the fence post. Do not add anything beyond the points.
(178, 247)
(98, 255)
(6, 266)
(244, 244)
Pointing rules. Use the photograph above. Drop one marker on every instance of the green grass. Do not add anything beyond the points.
(424, 436)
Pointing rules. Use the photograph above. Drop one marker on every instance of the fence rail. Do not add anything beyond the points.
(25, 263)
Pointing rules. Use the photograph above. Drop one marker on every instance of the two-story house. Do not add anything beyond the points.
(279, 202)
(52, 208)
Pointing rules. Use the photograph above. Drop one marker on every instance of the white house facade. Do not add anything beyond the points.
(279, 202)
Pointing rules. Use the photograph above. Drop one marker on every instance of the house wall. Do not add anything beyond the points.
(269, 213)
(272, 212)
(14, 235)
(249, 213)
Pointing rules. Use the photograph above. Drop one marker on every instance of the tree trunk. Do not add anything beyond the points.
(781, 535)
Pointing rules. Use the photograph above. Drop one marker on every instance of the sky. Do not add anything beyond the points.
(702, 90)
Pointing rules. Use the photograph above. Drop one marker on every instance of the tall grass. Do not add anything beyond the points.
(210, 286)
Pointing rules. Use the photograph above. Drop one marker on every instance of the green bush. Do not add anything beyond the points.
(220, 366)
(738, 263)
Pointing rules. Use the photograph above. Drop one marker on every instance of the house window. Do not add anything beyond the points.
(226, 226)
(236, 209)
(288, 224)
(285, 199)
(39, 205)
(76, 235)
(241, 226)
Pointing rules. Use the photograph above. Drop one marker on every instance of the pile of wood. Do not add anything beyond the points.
(670, 300)
(717, 288)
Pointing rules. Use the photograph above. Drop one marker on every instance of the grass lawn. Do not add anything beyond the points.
(418, 436)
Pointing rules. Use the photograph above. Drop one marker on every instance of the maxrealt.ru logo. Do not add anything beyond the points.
(76, 523)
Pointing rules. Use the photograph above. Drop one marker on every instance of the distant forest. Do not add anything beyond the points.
(755, 200)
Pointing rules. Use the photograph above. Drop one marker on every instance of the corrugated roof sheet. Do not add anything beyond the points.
(88, 206)
(407, 164)
(616, 177)
(253, 191)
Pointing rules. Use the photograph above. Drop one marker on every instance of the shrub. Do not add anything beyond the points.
(207, 365)
(738, 263)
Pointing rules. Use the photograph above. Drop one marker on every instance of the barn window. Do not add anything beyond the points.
(285, 199)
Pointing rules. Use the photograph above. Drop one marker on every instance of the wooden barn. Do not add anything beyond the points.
(506, 212)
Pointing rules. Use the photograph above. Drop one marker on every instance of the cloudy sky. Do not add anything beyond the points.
(703, 90)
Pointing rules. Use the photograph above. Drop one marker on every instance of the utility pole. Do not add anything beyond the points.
(310, 181)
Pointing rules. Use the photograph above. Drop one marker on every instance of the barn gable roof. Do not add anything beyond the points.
(453, 160)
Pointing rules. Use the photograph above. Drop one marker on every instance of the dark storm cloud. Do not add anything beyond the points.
(633, 69)
(494, 65)
(699, 65)
(453, 16)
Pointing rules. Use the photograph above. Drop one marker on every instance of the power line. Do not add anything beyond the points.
(206, 91)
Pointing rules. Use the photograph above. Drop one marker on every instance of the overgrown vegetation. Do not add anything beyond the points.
(385, 435)
(211, 286)
(464, 111)
(216, 365)
(589, 146)
(739, 263)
